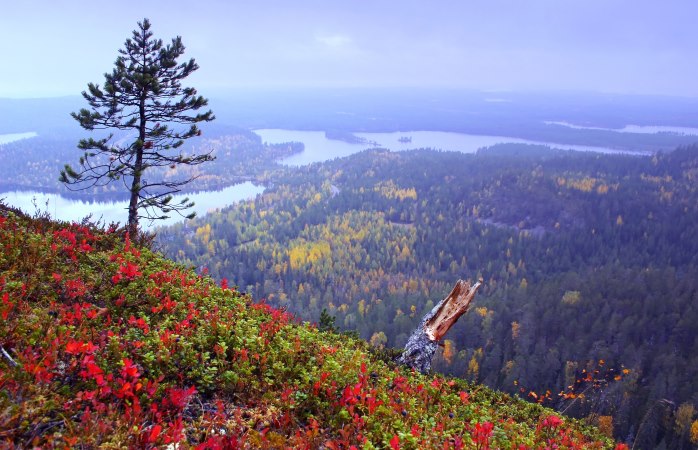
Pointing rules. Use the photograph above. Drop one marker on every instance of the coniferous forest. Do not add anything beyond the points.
(589, 263)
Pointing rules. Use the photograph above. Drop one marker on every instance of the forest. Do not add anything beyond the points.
(589, 262)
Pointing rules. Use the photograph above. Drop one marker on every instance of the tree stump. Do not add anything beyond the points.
(422, 344)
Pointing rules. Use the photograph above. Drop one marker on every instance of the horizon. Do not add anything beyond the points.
(620, 47)
(227, 92)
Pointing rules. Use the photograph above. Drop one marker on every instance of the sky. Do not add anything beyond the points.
(55, 47)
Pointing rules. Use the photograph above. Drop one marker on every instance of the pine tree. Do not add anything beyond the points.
(143, 101)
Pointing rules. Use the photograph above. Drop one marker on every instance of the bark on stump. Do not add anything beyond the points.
(422, 344)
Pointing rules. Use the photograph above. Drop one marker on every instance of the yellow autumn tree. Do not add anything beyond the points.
(379, 339)
(694, 432)
(473, 368)
(296, 257)
(204, 233)
(481, 311)
(474, 364)
(449, 351)
(683, 418)
(571, 297)
(524, 284)
(361, 307)
(515, 329)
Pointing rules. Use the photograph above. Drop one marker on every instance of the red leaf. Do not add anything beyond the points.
(154, 433)
(395, 442)
(73, 347)
(464, 397)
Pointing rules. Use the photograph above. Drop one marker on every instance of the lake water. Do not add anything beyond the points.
(319, 148)
(7, 138)
(62, 208)
(642, 129)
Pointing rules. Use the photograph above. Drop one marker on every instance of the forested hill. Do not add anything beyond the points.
(590, 264)
(106, 344)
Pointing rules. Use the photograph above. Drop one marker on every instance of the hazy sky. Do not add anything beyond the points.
(55, 47)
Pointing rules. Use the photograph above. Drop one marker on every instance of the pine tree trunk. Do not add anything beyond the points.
(137, 170)
(422, 344)
(133, 205)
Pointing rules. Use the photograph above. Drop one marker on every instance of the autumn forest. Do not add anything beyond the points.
(589, 264)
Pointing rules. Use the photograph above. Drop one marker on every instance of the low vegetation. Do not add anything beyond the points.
(106, 343)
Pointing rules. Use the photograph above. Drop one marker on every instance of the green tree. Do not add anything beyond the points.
(143, 96)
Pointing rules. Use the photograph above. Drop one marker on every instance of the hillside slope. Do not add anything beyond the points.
(106, 343)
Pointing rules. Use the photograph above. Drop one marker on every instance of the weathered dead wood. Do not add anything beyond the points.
(7, 356)
(422, 344)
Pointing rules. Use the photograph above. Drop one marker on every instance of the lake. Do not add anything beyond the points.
(642, 129)
(62, 208)
(7, 138)
(66, 209)
(319, 148)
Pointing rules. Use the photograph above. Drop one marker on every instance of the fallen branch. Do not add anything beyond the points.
(13, 363)
(422, 344)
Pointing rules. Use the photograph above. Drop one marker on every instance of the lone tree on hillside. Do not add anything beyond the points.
(144, 102)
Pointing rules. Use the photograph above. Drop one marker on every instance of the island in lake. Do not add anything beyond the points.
(348, 137)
